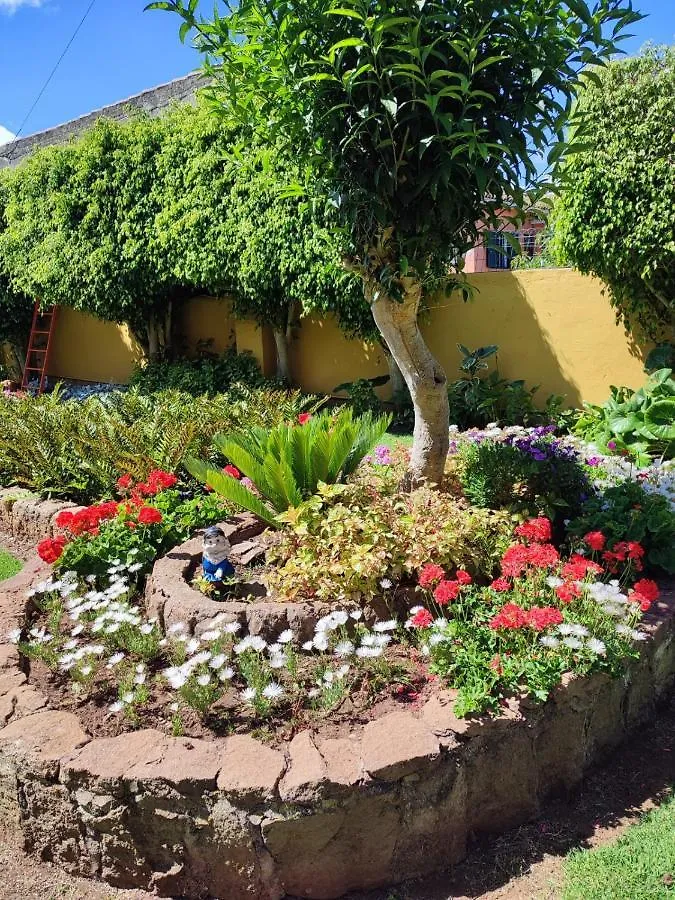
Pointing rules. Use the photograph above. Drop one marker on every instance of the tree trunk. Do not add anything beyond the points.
(281, 343)
(425, 378)
(153, 340)
(396, 380)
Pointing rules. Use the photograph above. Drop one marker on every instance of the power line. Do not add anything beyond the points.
(49, 78)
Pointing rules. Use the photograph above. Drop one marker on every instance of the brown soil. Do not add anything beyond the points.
(412, 688)
(525, 864)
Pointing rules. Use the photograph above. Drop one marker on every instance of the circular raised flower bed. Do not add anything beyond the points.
(390, 798)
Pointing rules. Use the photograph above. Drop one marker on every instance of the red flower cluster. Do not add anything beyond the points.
(624, 551)
(500, 585)
(232, 471)
(446, 591)
(422, 619)
(86, 520)
(304, 418)
(149, 515)
(577, 567)
(645, 592)
(595, 540)
(519, 557)
(536, 530)
(51, 549)
(463, 576)
(566, 593)
(158, 480)
(512, 617)
(430, 575)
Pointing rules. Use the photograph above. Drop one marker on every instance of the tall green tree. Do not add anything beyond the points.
(80, 230)
(15, 311)
(616, 216)
(422, 117)
(226, 224)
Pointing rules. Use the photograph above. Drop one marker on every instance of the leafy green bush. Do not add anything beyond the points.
(529, 475)
(206, 375)
(78, 449)
(286, 464)
(476, 401)
(345, 540)
(362, 394)
(626, 512)
(640, 423)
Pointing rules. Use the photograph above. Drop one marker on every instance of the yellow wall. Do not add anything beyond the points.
(87, 349)
(554, 328)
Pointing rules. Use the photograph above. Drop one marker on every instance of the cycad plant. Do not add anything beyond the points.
(287, 463)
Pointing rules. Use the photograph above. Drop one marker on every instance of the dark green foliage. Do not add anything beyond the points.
(615, 216)
(626, 512)
(532, 476)
(661, 357)
(288, 463)
(639, 423)
(78, 449)
(206, 375)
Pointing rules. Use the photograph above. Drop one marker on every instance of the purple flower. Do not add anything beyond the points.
(611, 445)
(594, 461)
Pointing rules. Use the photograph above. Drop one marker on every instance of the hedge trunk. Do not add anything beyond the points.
(425, 378)
(281, 344)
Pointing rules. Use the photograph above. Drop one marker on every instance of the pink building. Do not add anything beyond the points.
(495, 253)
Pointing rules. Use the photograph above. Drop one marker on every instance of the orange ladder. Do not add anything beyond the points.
(39, 345)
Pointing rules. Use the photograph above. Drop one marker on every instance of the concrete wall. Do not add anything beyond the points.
(554, 328)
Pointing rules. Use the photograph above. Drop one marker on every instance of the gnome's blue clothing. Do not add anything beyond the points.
(217, 571)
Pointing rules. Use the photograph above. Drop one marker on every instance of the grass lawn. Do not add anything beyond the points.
(8, 565)
(397, 440)
(639, 866)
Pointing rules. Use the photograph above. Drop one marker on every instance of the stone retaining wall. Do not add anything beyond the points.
(26, 517)
(234, 818)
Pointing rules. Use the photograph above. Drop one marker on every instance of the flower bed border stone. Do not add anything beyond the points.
(234, 818)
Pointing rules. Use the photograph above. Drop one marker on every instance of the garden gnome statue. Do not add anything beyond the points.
(215, 551)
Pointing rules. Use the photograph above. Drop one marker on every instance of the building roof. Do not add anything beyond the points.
(153, 101)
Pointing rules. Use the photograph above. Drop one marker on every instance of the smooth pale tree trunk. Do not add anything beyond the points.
(396, 379)
(425, 378)
(159, 333)
(281, 344)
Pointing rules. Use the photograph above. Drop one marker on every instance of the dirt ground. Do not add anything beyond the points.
(525, 864)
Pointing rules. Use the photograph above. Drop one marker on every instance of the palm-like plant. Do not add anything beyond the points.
(287, 463)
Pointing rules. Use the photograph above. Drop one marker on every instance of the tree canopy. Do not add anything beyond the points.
(422, 118)
(615, 218)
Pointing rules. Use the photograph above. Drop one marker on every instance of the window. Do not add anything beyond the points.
(499, 251)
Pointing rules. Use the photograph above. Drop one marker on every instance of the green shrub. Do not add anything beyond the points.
(638, 423)
(626, 512)
(78, 449)
(286, 464)
(206, 375)
(347, 538)
(361, 393)
(531, 475)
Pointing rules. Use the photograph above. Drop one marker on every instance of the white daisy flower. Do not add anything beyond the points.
(596, 646)
(176, 628)
(369, 652)
(116, 707)
(308, 645)
(386, 583)
(207, 636)
(248, 695)
(356, 614)
(232, 627)
(286, 636)
(389, 625)
(146, 628)
(128, 698)
(549, 641)
(226, 674)
(344, 648)
(273, 691)
(278, 660)
(140, 678)
(218, 661)
(203, 680)
(14, 636)
(573, 643)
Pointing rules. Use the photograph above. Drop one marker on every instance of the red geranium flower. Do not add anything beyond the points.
(304, 418)
(595, 540)
(64, 519)
(446, 591)
(232, 471)
(422, 619)
(500, 585)
(463, 576)
(430, 575)
(51, 549)
(125, 482)
(647, 588)
(578, 566)
(541, 617)
(160, 480)
(515, 560)
(543, 556)
(535, 530)
(148, 515)
(568, 592)
(510, 616)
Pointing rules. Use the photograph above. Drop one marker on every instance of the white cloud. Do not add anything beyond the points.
(6, 136)
(11, 6)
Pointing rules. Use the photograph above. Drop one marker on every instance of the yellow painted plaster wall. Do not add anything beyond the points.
(554, 328)
(209, 320)
(87, 349)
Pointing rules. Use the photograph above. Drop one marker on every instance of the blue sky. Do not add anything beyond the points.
(122, 50)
